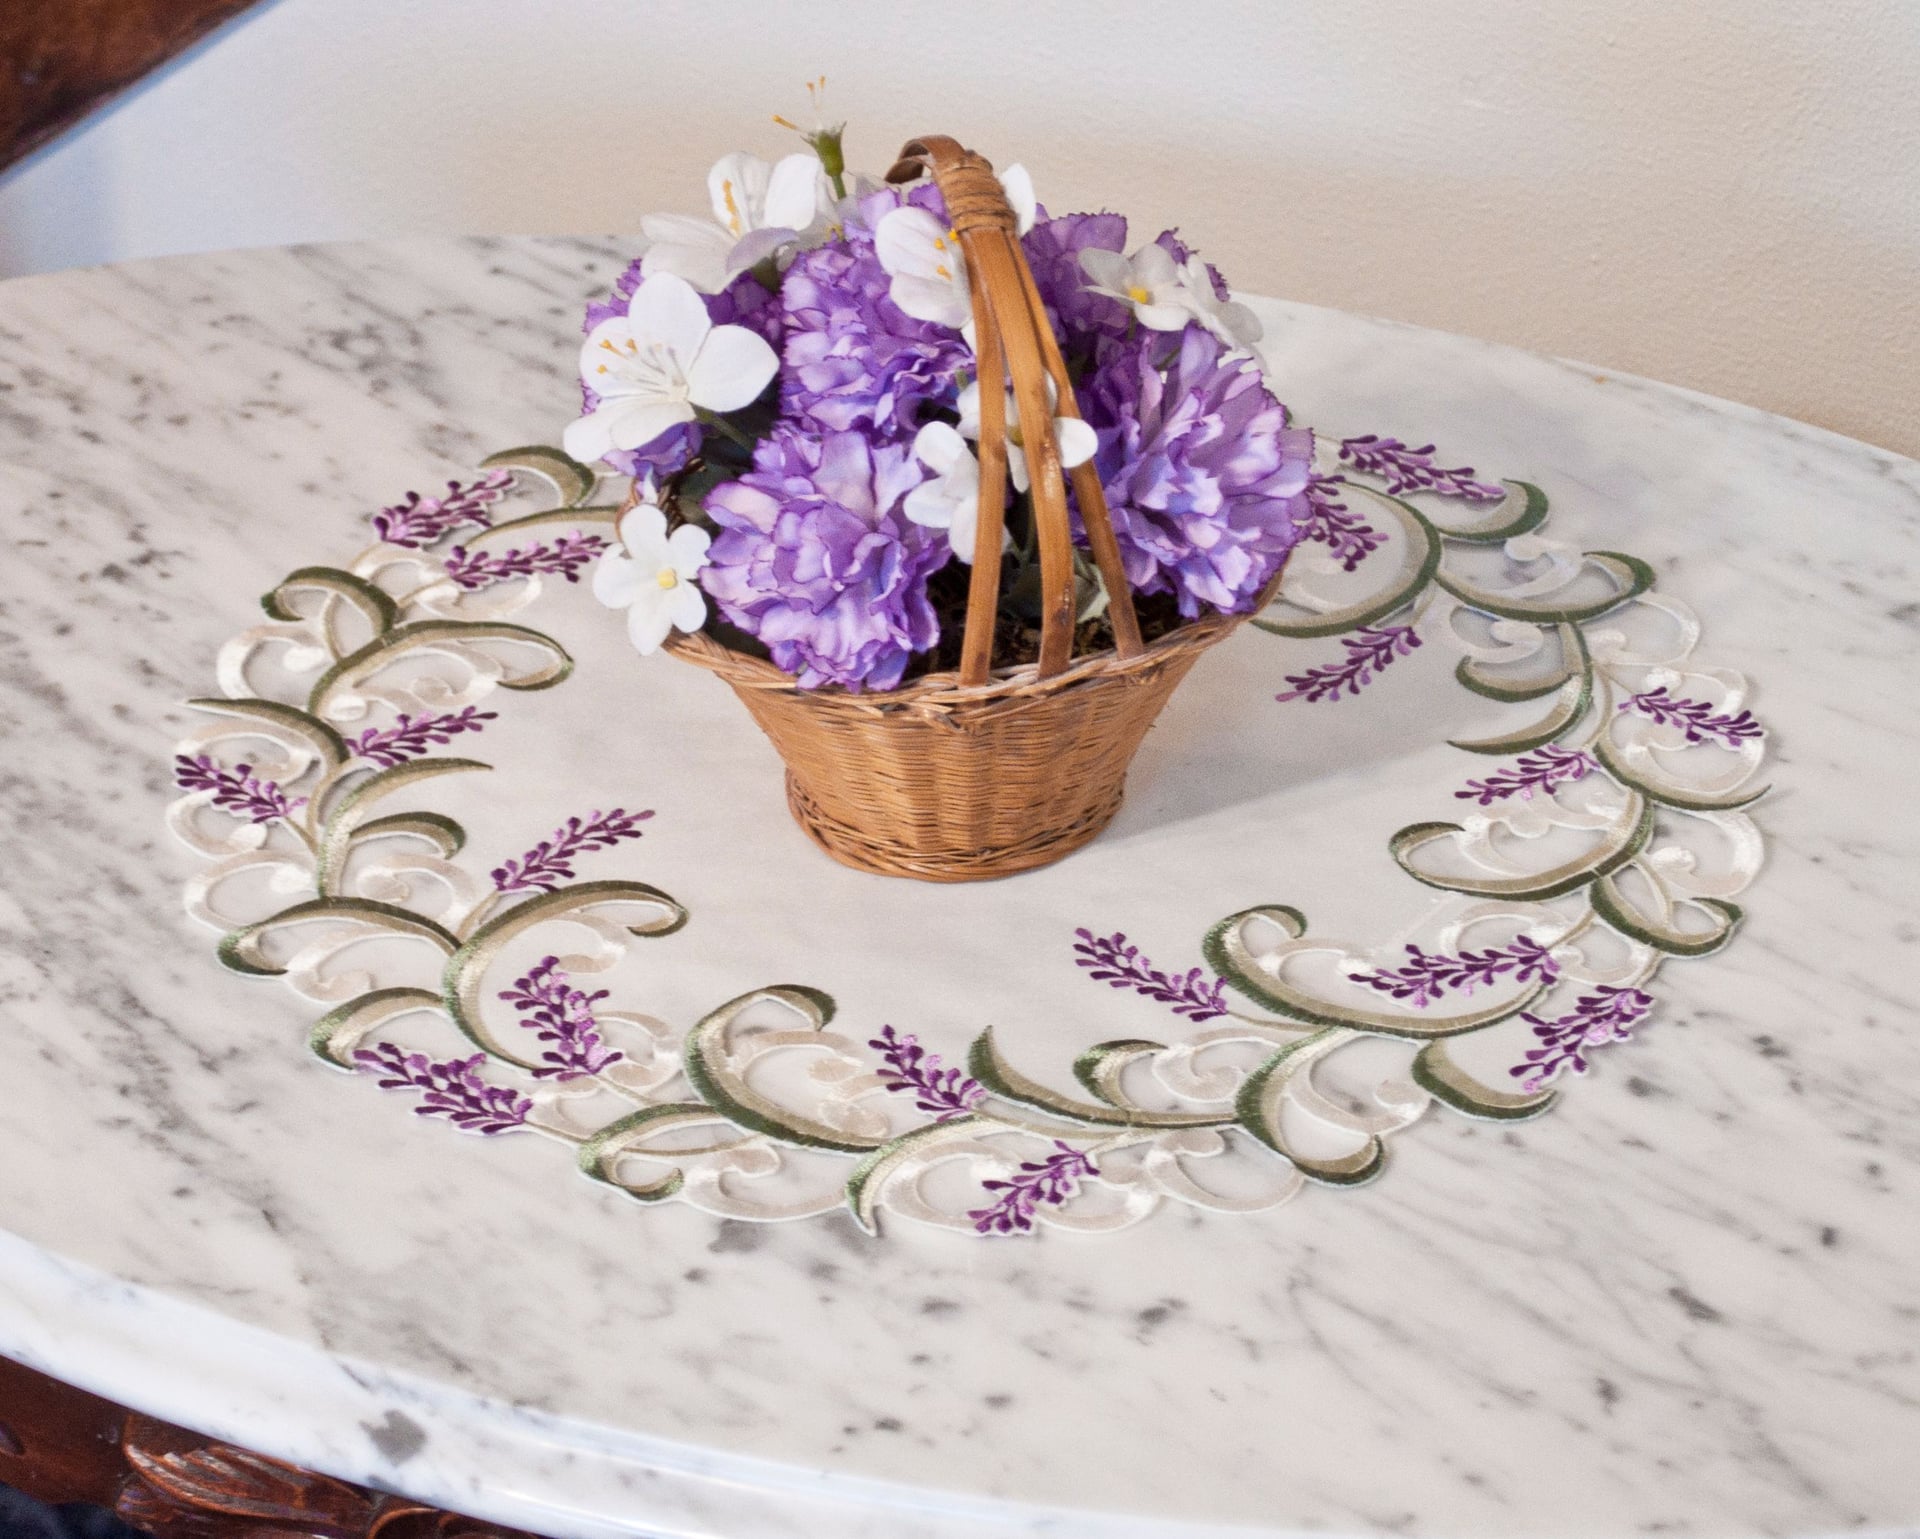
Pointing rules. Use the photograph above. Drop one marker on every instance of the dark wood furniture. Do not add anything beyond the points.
(60, 59)
(58, 1444)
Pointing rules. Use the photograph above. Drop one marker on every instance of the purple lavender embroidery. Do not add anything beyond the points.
(1114, 960)
(1694, 717)
(1605, 1016)
(910, 1068)
(419, 521)
(1413, 470)
(473, 569)
(1328, 521)
(1428, 975)
(411, 736)
(559, 1013)
(550, 862)
(1369, 650)
(453, 1088)
(1545, 771)
(1052, 1181)
(235, 790)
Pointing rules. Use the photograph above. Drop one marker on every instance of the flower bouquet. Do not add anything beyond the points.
(950, 490)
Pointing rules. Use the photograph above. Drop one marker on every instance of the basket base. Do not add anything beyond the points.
(852, 848)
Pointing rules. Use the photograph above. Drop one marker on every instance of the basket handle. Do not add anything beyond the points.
(1013, 340)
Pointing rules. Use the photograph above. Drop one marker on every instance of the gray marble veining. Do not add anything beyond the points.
(1684, 1303)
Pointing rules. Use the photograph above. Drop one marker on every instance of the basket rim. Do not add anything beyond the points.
(943, 690)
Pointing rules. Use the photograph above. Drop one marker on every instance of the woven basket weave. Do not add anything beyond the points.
(964, 776)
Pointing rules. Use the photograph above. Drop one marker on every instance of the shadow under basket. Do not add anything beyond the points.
(946, 783)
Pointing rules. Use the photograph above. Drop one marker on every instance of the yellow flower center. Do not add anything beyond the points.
(668, 577)
(1139, 295)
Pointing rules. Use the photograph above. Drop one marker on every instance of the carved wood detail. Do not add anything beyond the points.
(58, 1444)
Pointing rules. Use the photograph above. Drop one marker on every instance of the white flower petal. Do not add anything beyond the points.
(635, 420)
(911, 241)
(793, 191)
(931, 299)
(1017, 183)
(1243, 326)
(940, 447)
(731, 369)
(687, 549)
(969, 407)
(686, 606)
(756, 246)
(1153, 267)
(650, 618)
(737, 187)
(689, 248)
(930, 504)
(1077, 441)
(1164, 317)
(643, 535)
(1107, 268)
(966, 525)
(616, 580)
(587, 439)
(666, 312)
(1017, 466)
(601, 356)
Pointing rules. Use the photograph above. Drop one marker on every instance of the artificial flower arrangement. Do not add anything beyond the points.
(951, 489)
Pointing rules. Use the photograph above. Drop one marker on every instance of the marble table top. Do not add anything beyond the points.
(1683, 1302)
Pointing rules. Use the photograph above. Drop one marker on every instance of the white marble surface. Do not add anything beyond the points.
(1683, 1302)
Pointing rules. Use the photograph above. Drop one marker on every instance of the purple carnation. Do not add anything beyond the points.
(853, 358)
(816, 558)
(746, 301)
(1170, 242)
(1205, 481)
(1080, 317)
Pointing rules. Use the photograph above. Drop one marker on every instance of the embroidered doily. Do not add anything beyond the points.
(1588, 829)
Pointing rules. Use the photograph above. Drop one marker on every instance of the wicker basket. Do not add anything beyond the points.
(959, 777)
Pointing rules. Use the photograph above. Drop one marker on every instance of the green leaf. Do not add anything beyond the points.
(714, 1081)
(239, 950)
(600, 1155)
(372, 604)
(1614, 763)
(554, 518)
(1613, 906)
(1257, 1109)
(447, 837)
(571, 481)
(1424, 563)
(1226, 952)
(986, 1065)
(1521, 511)
(1629, 575)
(1477, 676)
(1624, 841)
(871, 1175)
(330, 747)
(344, 822)
(424, 635)
(1435, 1072)
(464, 979)
(337, 1033)
(1101, 1066)
(1569, 705)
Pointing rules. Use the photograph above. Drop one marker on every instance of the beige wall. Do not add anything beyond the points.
(1724, 193)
